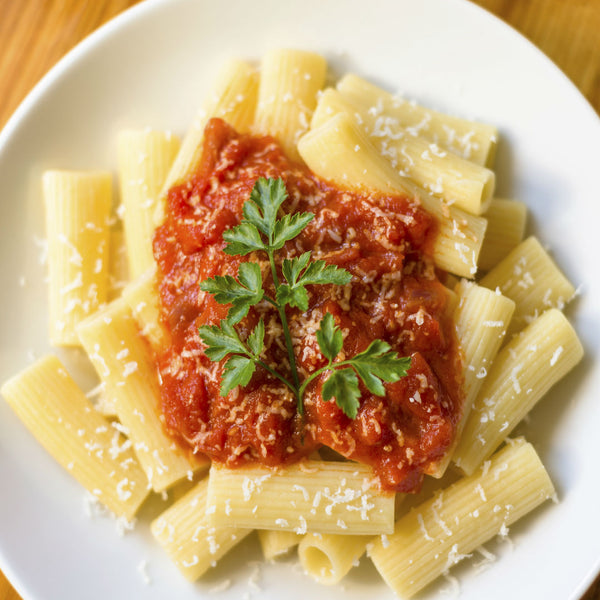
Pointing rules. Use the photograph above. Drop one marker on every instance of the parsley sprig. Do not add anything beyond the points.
(261, 231)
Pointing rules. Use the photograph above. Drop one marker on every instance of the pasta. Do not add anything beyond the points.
(141, 296)
(482, 318)
(275, 544)
(442, 531)
(189, 539)
(77, 210)
(530, 277)
(506, 227)
(328, 497)
(397, 193)
(327, 558)
(457, 181)
(123, 363)
(525, 369)
(59, 415)
(338, 150)
(233, 98)
(145, 158)
(287, 95)
(473, 141)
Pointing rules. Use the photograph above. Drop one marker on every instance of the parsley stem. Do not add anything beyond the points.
(273, 372)
(266, 367)
(314, 375)
(287, 334)
(270, 301)
(271, 255)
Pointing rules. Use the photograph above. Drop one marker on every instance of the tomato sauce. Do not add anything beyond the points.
(395, 295)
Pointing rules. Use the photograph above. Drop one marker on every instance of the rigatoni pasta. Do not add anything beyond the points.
(526, 368)
(327, 558)
(506, 228)
(118, 271)
(192, 543)
(233, 98)
(275, 544)
(328, 497)
(444, 530)
(530, 277)
(339, 151)
(458, 182)
(141, 295)
(145, 157)
(482, 319)
(63, 420)
(78, 207)
(287, 95)
(123, 361)
(473, 141)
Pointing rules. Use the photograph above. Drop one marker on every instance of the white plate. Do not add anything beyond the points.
(151, 67)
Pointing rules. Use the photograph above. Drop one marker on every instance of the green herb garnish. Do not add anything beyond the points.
(261, 230)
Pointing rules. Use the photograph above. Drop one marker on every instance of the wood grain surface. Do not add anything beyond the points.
(35, 34)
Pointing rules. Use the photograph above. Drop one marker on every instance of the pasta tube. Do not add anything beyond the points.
(531, 278)
(327, 558)
(191, 542)
(79, 438)
(77, 211)
(434, 536)
(471, 140)
(233, 99)
(457, 181)
(124, 363)
(482, 318)
(524, 370)
(506, 227)
(318, 496)
(341, 152)
(277, 543)
(144, 159)
(142, 298)
(290, 80)
(118, 271)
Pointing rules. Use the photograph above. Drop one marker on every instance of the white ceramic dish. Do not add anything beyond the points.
(150, 67)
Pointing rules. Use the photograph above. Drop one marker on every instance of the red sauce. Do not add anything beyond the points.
(395, 295)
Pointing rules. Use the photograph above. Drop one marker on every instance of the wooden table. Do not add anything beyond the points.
(34, 34)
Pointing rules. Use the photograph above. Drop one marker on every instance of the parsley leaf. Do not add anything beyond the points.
(342, 385)
(379, 363)
(221, 340)
(376, 364)
(291, 268)
(299, 273)
(289, 293)
(329, 337)
(242, 295)
(260, 215)
(265, 199)
(292, 296)
(288, 227)
(242, 239)
(256, 339)
(238, 371)
(320, 272)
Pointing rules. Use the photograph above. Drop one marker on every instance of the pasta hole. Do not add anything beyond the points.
(318, 564)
